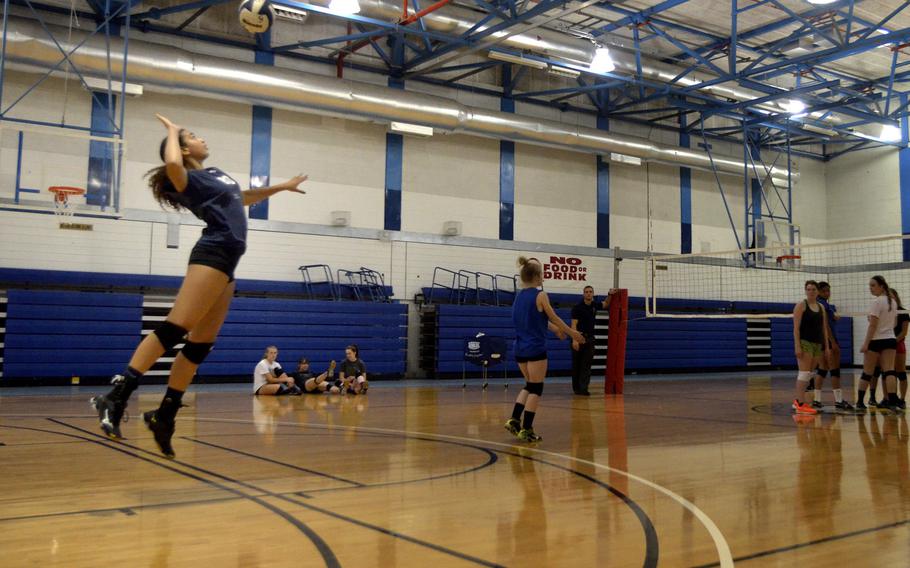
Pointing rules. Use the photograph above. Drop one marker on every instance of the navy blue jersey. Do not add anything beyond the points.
(830, 310)
(530, 324)
(215, 198)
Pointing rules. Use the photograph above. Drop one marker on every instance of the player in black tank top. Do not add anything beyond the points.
(811, 343)
(205, 294)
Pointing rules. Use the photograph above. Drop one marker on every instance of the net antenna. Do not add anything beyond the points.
(768, 282)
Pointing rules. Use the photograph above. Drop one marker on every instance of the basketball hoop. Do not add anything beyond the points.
(62, 194)
(788, 261)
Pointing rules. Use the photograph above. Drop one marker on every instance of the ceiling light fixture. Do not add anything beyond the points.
(890, 133)
(795, 107)
(602, 62)
(345, 7)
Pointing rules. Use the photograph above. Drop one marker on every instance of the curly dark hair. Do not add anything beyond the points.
(164, 191)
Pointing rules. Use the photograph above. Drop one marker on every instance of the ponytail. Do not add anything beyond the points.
(162, 189)
(530, 269)
(884, 285)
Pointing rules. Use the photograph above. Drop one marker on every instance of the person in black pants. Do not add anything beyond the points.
(583, 316)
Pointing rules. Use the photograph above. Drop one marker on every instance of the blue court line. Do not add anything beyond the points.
(276, 462)
(652, 546)
(327, 555)
(334, 564)
(129, 510)
(491, 459)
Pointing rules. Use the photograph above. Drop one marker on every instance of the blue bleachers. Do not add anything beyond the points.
(456, 322)
(62, 334)
(698, 343)
(93, 334)
(652, 344)
(782, 348)
(318, 330)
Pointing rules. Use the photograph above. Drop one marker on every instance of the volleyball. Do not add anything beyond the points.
(256, 16)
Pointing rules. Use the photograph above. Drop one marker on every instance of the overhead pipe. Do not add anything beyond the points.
(167, 69)
(457, 20)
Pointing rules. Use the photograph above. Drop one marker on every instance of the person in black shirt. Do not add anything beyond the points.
(353, 375)
(205, 295)
(584, 315)
(309, 383)
(900, 358)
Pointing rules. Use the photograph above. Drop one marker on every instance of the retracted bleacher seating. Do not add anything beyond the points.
(56, 333)
(66, 334)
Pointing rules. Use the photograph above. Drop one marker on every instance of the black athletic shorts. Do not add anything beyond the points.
(219, 258)
(879, 345)
(532, 358)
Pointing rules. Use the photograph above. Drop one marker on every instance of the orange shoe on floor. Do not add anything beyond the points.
(802, 407)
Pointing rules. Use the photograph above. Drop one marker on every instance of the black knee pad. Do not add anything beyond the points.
(835, 373)
(196, 352)
(865, 377)
(534, 388)
(877, 372)
(902, 376)
(822, 373)
(169, 334)
(889, 374)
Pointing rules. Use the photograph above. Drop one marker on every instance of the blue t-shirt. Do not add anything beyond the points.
(830, 310)
(214, 197)
(530, 324)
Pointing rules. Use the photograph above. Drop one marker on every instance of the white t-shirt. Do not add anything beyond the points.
(261, 374)
(887, 319)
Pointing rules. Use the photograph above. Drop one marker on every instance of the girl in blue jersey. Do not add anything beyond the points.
(533, 315)
(205, 294)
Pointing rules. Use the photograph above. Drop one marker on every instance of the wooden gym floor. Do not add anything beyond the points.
(682, 471)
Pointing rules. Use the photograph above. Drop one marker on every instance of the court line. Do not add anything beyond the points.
(327, 555)
(174, 504)
(652, 546)
(114, 445)
(720, 543)
(651, 542)
(807, 544)
(270, 460)
(492, 458)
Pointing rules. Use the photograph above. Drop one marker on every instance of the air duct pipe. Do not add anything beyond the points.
(166, 69)
(456, 21)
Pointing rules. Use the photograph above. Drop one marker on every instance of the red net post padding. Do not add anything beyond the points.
(616, 342)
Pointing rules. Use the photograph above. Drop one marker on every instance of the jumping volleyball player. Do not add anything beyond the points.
(532, 315)
(205, 294)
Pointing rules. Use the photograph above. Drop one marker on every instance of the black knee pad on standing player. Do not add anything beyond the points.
(534, 388)
(169, 334)
(902, 376)
(889, 374)
(835, 373)
(822, 373)
(196, 352)
(865, 377)
(877, 372)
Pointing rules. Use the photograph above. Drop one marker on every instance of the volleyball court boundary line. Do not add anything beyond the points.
(725, 557)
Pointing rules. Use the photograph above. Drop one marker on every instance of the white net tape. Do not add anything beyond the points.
(767, 282)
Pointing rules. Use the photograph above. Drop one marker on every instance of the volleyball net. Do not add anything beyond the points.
(767, 282)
